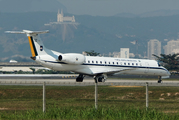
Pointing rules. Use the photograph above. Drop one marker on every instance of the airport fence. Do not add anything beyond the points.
(26, 95)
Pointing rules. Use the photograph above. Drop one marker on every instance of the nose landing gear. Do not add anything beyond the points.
(159, 79)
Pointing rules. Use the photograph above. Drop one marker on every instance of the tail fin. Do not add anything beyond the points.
(36, 45)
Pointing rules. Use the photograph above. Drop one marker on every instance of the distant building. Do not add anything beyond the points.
(154, 47)
(13, 61)
(172, 47)
(61, 18)
(116, 54)
(15, 69)
(124, 53)
(84, 53)
(131, 55)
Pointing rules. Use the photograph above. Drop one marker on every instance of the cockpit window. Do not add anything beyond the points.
(159, 65)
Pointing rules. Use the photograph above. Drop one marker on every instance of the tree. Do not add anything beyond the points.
(171, 61)
(92, 53)
(33, 70)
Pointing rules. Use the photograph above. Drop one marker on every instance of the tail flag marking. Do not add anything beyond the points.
(32, 46)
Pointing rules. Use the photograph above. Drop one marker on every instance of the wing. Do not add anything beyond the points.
(102, 70)
(110, 71)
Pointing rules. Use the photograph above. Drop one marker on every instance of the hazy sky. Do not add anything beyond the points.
(112, 7)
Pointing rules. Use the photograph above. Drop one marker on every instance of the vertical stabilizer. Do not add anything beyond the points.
(36, 45)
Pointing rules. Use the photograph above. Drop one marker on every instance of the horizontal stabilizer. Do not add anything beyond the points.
(27, 32)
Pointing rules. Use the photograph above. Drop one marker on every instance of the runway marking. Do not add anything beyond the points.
(126, 86)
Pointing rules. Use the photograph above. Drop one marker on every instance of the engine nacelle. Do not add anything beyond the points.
(72, 58)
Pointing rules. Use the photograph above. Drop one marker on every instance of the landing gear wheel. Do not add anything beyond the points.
(80, 78)
(159, 79)
(100, 79)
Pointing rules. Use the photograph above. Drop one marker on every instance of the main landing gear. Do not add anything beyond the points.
(80, 78)
(159, 79)
(100, 78)
(97, 78)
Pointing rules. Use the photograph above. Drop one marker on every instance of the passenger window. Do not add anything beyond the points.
(105, 62)
(96, 61)
(136, 64)
(124, 63)
(132, 63)
(117, 63)
(128, 63)
(92, 61)
(109, 62)
(113, 63)
(88, 61)
(101, 62)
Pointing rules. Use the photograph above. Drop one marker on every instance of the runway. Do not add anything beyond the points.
(66, 80)
(37, 76)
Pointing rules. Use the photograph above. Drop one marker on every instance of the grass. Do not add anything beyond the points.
(74, 102)
(103, 112)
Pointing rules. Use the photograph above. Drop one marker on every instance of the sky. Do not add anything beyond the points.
(113, 7)
(89, 7)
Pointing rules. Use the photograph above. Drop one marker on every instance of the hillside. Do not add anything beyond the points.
(102, 34)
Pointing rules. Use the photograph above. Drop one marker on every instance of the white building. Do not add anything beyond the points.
(124, 52)
(172, 47)
(61, 18)
(116, 54)
(13, 61)
(154, 47)
(13, 69)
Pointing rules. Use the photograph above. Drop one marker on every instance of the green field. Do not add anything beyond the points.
(25, 102)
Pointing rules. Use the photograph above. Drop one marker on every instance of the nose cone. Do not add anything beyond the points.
(168, 73)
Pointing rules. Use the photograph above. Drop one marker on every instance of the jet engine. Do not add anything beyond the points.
(72, 58)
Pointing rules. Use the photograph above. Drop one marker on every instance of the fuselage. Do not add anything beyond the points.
(108, 65)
